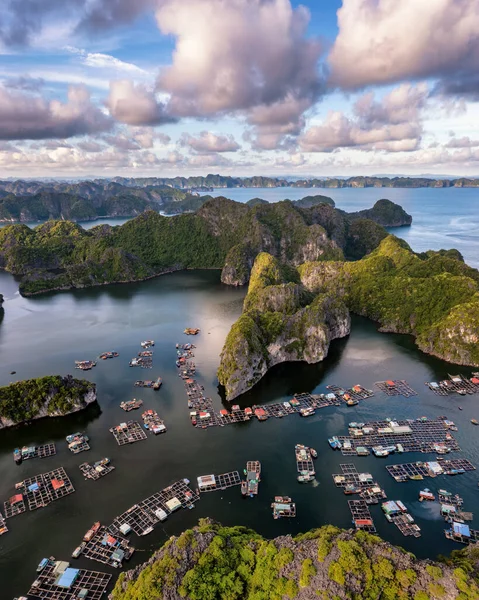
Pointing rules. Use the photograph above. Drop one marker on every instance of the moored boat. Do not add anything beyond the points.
(334, 443)
(17, 456)
(313, 453)
(89, 535)
(474, 422)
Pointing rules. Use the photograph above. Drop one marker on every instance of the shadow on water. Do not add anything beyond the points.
(287, 379)
(49, 428)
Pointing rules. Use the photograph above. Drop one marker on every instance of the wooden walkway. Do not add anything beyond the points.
(418, 470)
(128, 433)
(362, 518)
(399, 388)
(44, 585)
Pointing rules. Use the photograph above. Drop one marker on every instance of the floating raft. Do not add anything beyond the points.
(71, 582)
(419, 470)
(43, 451)
(3, 525)
(420, 435)
(128, 433)
(152, 422)
(14, 506)
(145, 362)
(43, 489)
(361, 516)
(142, 517)
(373, 494)
(96, 470)
(396, 387)
(250, 486)
(283, 506)
(131, 405)
(304, 460)
(456, 384)
(406, 525)
(149, 383)
(351, 477)
(212, 483)
(108, 549)
(462, 533)
(357, 392)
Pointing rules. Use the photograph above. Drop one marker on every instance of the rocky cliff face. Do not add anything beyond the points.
(211, 561)
(282, 322)
(385, 213)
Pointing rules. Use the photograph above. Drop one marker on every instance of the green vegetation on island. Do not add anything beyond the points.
(212, 562)
(222, 233)
(293, 313)
(49, 396)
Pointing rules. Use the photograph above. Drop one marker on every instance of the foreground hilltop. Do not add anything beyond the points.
(221, 234)
(292, 314)
(211, 562)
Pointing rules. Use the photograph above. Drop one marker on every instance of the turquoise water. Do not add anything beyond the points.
(46, 334)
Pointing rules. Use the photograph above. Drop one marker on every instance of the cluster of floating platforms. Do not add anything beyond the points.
(212, 483)
(149, 383)
(420, 435)
(128, 433)
(39, 491)
(3, 525)
(356, 393)
(58, 581)
(145, 362)
(456, 384)
(420, 469)
(108, 354)
(350, 478)
(396, 387)
(85, 365)
(362, 518)
(396, 512)
(28, 452)
(142, 517)
(106, 548)
(131, 405)
(97, 470)
(152, 422)
(283, 506)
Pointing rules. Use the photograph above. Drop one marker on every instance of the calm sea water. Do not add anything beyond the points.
(46, 334)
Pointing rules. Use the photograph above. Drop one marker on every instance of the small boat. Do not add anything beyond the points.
(305, 477)
(17, 456)
(352, 402)
(459, 407)
(13, 372)
(42, 564)
(335, 443)
(78, 550)
(147, 343)
(416, 477)
(91, 532)
(474, 422)
(444, 493)
(455, 472)
(351, 489)
(306, 412)
(313, 453)
(426, 494)
(191, 331)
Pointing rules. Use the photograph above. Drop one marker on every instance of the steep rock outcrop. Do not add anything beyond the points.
(211, 561)
(385, 213)
(282, 322)
(50, 396)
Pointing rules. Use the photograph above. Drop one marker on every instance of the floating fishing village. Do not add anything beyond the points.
(109, 543)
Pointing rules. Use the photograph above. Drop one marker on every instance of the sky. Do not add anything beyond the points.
(98, 88)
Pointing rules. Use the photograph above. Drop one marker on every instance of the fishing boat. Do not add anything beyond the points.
(426, 494)
(89, 535)
(17, 456)
(313, 453)
(380, 452)
(106, 355)
(42, 564)
(306, 412)
(474, 422)
(444, 493)
(355, 425)
(352, 402)
(416, 477)
(459, 407)
(147, 343)
(74, 437)
(78, 550)
(305, 476)
(455, 472)
(335, 443)
(191, 331)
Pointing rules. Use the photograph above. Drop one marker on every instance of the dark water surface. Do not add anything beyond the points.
(44, 335)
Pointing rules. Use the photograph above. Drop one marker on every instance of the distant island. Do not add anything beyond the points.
(293, 313)
(50, 396)
(30, 201)
(222, 234)
(211, 561)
